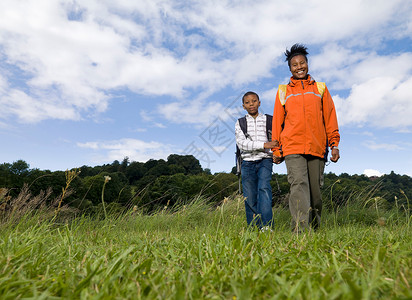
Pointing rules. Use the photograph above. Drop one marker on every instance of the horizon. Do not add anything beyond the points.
(204, 169)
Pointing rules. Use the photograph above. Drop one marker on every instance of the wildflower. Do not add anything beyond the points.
(106, 180)
(265, 229)
(134, 208)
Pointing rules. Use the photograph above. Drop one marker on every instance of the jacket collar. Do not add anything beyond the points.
(308, 81)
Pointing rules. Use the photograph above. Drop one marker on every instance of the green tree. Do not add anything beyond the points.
(86, 171)
(117, 189)
(135, 171)
(123, 166)
(14, 175)
(20, 167)
(188, 162)
(161, 168)
(151, 163)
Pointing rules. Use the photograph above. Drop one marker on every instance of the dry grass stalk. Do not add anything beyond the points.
(70, 176)
(24, 204)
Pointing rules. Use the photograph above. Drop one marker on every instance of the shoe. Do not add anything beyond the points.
(266, 228)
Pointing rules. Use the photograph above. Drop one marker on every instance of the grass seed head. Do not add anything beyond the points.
(381, 221)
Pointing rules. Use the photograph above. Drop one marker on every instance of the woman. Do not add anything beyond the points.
(305, 124)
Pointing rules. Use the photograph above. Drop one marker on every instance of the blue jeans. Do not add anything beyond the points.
(256, 176)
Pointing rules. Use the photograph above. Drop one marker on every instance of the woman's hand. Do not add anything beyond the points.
(277, 159)
(335, 155)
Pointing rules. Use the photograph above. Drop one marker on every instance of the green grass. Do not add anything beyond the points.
(202, 252)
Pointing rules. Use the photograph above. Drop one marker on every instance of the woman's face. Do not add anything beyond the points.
(299, 67)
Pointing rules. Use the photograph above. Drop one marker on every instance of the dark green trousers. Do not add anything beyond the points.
(305, 176)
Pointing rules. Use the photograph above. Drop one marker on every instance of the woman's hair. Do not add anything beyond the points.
(296, 49)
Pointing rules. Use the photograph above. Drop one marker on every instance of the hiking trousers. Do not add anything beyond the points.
(305, 176)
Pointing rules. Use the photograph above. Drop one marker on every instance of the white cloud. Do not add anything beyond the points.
(195, 112)
(249, 26)
(380, 102)
(159, 125)
(382, 146)
(136, 150)
(29, 109)
(379, 85)
(70, 56)
(372, 172)
(89, 145)
(345, 67)
(140, 130)
(367, 133)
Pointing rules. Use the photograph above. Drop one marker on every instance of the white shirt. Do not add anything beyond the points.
(252, 147)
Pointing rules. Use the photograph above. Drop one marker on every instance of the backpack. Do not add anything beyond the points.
(243, 126)
(321, 88)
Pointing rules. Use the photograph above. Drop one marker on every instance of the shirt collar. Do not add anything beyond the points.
(258, 116)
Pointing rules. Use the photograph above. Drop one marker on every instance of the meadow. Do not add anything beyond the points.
(203, 251)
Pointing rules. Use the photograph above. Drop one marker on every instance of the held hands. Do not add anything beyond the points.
(271, 145)
(335, 155)
(277, 159)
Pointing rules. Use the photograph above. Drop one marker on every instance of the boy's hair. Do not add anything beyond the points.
(296, 49)
(249, 93)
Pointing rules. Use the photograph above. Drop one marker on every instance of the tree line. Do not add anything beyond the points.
(156, 184)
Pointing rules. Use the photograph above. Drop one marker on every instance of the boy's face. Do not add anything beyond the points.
(251, 104)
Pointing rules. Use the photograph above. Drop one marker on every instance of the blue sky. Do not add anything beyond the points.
(92, 81)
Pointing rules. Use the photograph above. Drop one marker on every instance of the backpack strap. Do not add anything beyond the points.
(282, 93)
(243, 124)
(269, 120)
(321, 88)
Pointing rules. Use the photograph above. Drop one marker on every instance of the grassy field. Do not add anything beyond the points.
(202, 252)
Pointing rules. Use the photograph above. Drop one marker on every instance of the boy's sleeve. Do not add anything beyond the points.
(278, 119)
(330, 119)
(244, 143)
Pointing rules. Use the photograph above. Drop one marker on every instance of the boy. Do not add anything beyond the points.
(256, 168)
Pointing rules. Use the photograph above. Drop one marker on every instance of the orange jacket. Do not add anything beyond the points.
(305, 121)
